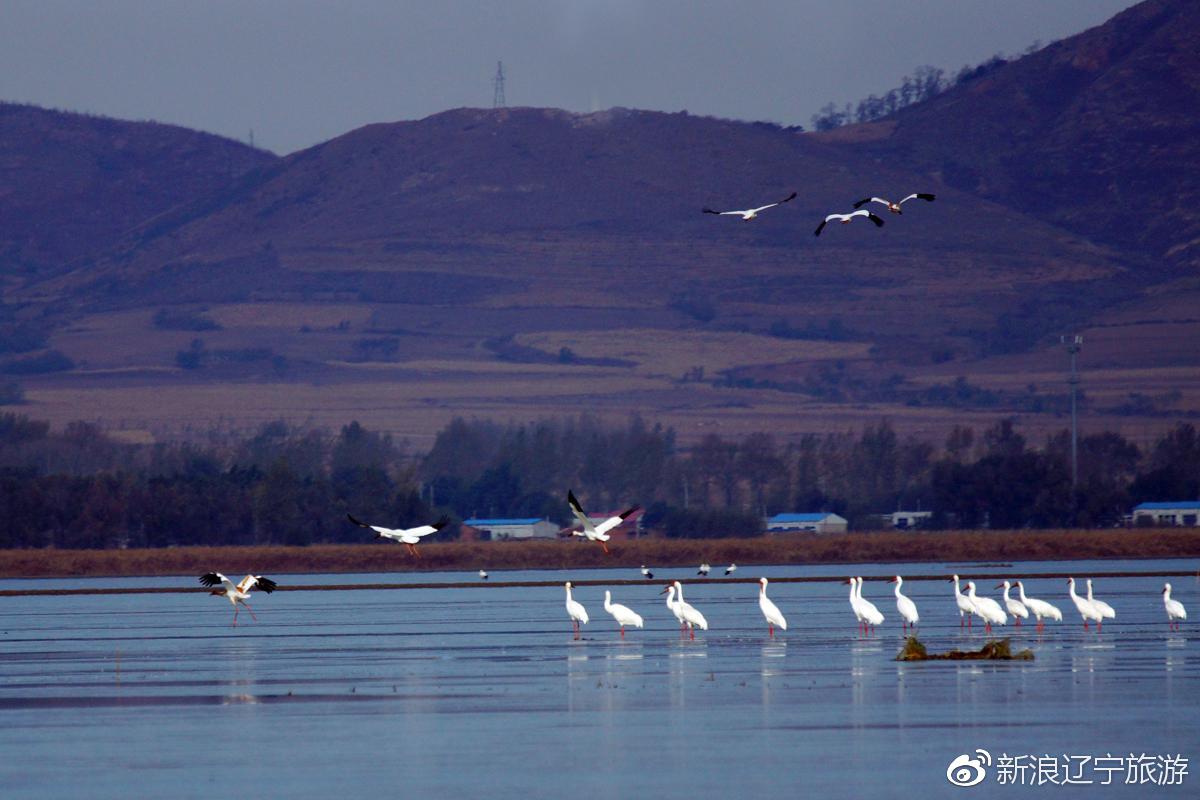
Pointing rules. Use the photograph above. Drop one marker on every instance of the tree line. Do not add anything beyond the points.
(79, 487)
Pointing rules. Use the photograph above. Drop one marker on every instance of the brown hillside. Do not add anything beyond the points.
(71, 185)
(1098, 133)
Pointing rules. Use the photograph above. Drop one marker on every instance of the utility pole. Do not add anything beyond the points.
(1073, 345)
(498, 86)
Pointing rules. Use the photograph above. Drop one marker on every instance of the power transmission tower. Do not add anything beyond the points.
(498, 86)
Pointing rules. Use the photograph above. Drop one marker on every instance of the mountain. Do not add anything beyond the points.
(71, 184)
(1098, 133)
(537, 208)
(518, 263)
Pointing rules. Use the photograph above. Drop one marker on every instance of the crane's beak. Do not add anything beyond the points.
(666, 589)
(999, 586)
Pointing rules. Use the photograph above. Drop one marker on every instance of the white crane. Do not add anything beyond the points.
(1085, 607)
(1104, 608)
(732, 568)
(1040, 608)
(686, 613)
(704, 568)
(624, 615)
(1175, 609)
(237, 594)
(1013, 606)
(483, 574)
(748, 214)
(770, 611)
(409, 537)
(854, 606)
(965, 607)
(575, 611)
(895, 207)
(907, 608)
(845, 219)
(987, 608)
(594, 532)
(674, 607)
(871, 614)
(647, 573)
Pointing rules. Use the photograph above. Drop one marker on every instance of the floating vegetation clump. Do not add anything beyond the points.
(998, 650)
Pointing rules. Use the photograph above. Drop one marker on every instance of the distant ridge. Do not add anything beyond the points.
(1098, 133)
(71, 184)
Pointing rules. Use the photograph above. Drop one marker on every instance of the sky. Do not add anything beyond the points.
(299, 72)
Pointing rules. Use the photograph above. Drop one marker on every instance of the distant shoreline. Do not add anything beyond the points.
(851, 548)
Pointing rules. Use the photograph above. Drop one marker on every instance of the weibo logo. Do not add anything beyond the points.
(967, 771)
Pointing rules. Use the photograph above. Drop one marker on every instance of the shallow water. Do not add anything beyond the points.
(483, 692)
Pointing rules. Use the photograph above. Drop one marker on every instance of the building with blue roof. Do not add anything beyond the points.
(817, 522)
(520, 528)
(1179, 512)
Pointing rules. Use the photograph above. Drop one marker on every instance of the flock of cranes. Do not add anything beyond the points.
(970, 605)
(869, 616)
(747, 214)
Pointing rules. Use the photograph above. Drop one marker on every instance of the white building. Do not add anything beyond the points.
(1165, 514)
(820, 522)
(527, 528)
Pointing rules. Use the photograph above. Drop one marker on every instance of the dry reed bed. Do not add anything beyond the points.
(976, 546)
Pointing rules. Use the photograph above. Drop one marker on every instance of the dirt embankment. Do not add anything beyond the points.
(791, 549)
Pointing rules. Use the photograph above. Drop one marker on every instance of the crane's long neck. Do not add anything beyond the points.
(671, 597)
(853, 591)
(1071, 588)
(1006, 591)
(899, 583)
(1167, 594)
(1021, 592)
(679, 589)
(1089, 585)
(568, 594)
(957, 591)
(607, 601)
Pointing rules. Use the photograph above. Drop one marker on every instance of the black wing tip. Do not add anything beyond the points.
(266, 584)
(820, 228)
(791, 196)
(442, 522)
(573, 501)
(926, 196)
(356, 522)
(210, 579)
(862, 203)
(876, 219)
(707, 210)
(632, 510)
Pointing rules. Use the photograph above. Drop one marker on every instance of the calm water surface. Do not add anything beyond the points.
(483, 693)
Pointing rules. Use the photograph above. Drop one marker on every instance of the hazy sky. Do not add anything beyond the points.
(298, 72)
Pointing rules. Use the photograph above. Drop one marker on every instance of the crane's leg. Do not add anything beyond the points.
(605, 546)
(247, 605)
(1085, 626)
(770, 631)
(235, 610)
(1099, 625)
(691, 632)
(622, 631)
